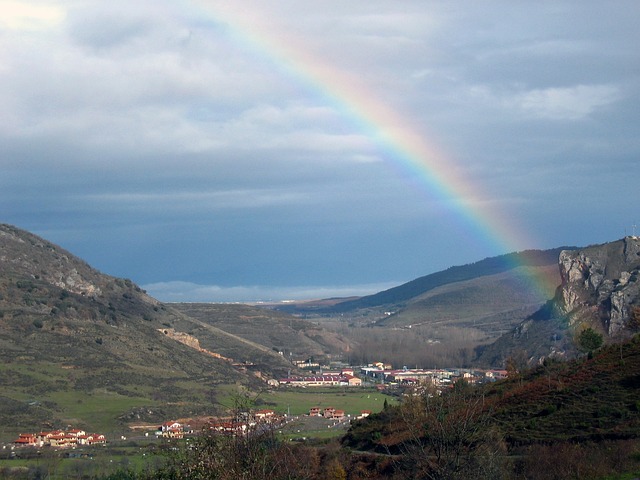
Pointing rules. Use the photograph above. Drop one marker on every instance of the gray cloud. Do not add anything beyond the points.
(190, 292)
(169, 142)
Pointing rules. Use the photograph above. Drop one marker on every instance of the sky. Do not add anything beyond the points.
(254, 151)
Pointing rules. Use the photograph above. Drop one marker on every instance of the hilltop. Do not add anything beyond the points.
(414, 290)
(84, 348)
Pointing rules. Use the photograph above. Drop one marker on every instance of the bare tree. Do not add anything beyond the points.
(449, 436)
(248, 450)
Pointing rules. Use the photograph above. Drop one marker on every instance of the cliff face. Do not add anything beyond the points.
(600, 284)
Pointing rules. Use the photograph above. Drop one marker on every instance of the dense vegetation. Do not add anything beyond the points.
(574, 413)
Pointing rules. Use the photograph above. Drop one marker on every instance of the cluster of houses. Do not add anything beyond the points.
(171, 429)
(60, 438)
(328, 412)
(383, 373)
(440, 378)
(238, 426)
(333, 413)
(247, 423)
(342, 378)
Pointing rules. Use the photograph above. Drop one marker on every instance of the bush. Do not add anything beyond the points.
(589, 340)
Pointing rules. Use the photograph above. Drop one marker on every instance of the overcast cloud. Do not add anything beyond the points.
(182, 144)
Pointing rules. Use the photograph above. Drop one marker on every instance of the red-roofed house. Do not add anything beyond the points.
(352, 381)
(339, 414)
(27, 439)
(91, 439)
(328, 412)
(264, 414)
(172, 430)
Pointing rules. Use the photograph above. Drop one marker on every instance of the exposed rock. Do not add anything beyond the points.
(600, 284)
(600, 289)
(192, 342)
(72, 281)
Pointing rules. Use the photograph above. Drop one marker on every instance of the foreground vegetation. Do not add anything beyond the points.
(578, 419)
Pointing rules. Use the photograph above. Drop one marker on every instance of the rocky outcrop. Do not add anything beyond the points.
(600, 284)
(191, 341)
(72, 281)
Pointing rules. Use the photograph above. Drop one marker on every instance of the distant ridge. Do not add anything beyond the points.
(489, 266)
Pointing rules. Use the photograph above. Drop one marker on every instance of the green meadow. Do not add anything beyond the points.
(298, 401)
(103, 407)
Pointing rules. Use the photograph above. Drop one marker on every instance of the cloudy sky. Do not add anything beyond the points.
(291, 149)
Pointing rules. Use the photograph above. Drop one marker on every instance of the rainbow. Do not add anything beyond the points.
(403, 144)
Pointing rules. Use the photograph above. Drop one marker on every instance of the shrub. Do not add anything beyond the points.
(589, 340)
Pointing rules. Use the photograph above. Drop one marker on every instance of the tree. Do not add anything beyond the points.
(589, 340)
(450, 436)
(254, 453)
(634, 318)
(516, 363)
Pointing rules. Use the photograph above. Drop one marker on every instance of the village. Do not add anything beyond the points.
(380, 375)
(246, 423)
(384, 376)
(60, 439)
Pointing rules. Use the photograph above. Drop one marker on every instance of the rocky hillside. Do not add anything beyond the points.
(278, 331)
(599, 290)
(72, 338)
(600, 286)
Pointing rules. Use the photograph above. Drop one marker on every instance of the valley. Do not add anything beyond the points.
(83, 350)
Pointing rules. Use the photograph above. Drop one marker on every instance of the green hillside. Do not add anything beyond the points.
(270, 328)
(81, 348)
(581, 409)
(489, 266)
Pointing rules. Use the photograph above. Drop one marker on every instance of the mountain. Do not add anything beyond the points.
(80, 347)
(442, 318)
(410, 291)
(601, 287)
(599, 290)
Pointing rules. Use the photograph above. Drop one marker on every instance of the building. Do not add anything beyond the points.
(315, 412)
(264, 415)
(27, 439)
(172, 429)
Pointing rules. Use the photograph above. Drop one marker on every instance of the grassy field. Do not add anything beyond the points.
(104, 406)
(298, 401)
(101, 409)
(352, 400)
(87, 462)
(39, 395)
